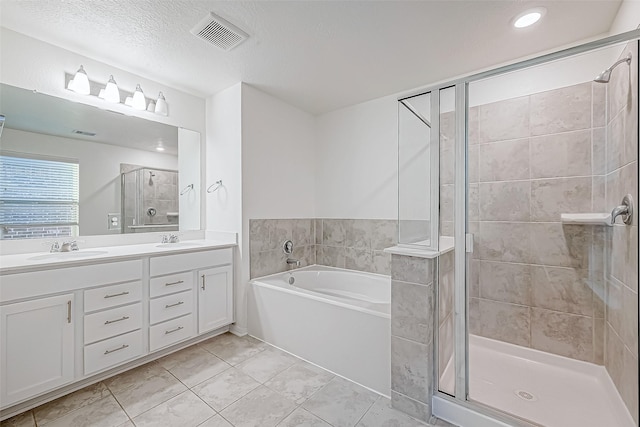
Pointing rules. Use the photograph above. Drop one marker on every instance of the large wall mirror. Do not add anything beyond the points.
(70, 169)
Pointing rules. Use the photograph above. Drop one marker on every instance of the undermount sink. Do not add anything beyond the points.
(67, 255)
(179, 245)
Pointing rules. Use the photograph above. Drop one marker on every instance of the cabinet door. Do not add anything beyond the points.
(36, 347)
(215, 298)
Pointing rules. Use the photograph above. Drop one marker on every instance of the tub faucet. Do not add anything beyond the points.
(69, 246)
(291, 261)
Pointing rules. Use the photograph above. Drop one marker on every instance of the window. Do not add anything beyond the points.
(39, 197)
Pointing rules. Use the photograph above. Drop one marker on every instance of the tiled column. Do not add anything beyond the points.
(412, 320)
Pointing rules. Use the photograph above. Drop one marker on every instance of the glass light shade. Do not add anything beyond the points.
(139, 101)
(111, 91)
(161, 105)
(80, 82)
(151, 107)
(129, 101)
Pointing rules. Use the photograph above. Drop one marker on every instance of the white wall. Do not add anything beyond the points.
(224, 162)
(99, 170)
(628, 17)
(356, 161)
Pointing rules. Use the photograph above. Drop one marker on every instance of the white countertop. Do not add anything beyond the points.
(446, 244)
(20, 263)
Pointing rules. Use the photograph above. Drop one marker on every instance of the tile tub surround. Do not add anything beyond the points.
(355, 244)
(534, 281)
(226, 381)
(412, 323)
(621, 168)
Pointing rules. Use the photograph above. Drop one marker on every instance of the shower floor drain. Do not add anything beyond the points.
(525, 395)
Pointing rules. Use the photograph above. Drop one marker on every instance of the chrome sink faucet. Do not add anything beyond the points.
(69, 246)
(171, 238)
(55, 247)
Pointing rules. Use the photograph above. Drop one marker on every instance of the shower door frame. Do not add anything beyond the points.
(443, 403)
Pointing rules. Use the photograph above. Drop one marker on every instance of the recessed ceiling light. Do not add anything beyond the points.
(159, 148)
(529, 17)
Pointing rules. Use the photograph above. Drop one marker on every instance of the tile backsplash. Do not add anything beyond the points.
(355, 244)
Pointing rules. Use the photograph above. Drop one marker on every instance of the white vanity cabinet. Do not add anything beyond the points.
(36, 346)
(215, 298)
(61, 326)
(190, 294)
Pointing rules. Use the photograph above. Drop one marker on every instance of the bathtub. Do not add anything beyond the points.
(337, 319)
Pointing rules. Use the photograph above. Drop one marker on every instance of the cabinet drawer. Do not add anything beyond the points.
(170, 284)
(109, 323)
(170, 306)
(112, 352)
(171, 332)
(110, 296)
(190, 261)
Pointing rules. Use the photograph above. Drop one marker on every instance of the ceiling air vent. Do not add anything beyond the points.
(219, 32)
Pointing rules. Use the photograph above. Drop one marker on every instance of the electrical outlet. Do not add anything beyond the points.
(113, 221)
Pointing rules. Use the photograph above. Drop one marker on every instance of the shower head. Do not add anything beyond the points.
(605, 76)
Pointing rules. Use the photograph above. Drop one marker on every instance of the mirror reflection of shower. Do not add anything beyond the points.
(605, 76)
(149, 199)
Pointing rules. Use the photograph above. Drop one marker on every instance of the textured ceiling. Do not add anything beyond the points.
(317, 55)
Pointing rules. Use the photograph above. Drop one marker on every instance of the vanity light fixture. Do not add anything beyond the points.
(111, 91)
(80, 82)
(161, 105)
(529, 17)
(139, 102)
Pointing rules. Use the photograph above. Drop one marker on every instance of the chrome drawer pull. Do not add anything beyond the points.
(117, 320)
(116, 349)
(173, 330)
(173, 305)
(117, 295)
(174, 283)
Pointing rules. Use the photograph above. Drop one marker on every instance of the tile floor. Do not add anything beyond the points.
(222, 382)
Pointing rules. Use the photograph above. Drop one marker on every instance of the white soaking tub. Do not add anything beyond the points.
(337, 319)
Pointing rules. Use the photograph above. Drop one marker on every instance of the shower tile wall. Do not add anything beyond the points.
(621, 327)
(161, 193)
(355, 244)
(412, 322)
(534, 281)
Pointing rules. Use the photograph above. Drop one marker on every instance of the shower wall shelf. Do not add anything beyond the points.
(587, 218)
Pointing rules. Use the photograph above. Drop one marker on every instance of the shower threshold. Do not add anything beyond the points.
(550, 390)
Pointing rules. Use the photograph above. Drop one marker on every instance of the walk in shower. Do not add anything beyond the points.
(537, 303)
(149, 200)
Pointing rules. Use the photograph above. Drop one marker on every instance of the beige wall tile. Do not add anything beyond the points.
(446, 283)
(330, 255)
(561, 155)
(568, 335)
(446, 202)
(381, 263)
(358, 259)
(504, 120)
(614, 304)
(445, 345)
(629, 320)
(505, 241)
(501, 321)
(616, 155)
(506, 282)
(358, 234)
(624, 255)
(614, 356)
(384, 233)
(333, 232)
(563, 289)
(561, 110)
(418, 410)
(504, 161)
(552, 197)
(598, 341)
(412, 269)
(302, 232)
(629, 383)
(505, 201)
(411, 369)
(599, 151)
(599, 112)
(560, 245)
(473, 125)
(412, 311)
